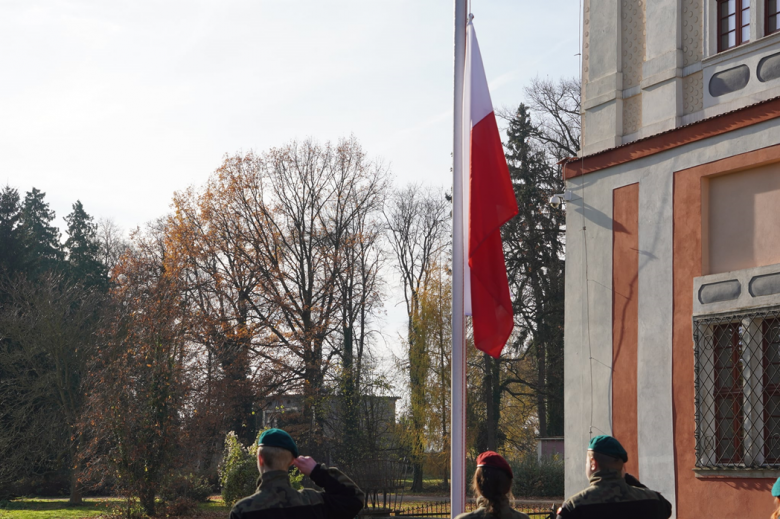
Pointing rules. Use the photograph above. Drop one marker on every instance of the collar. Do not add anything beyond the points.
(503, 507)
(604, 475)
(274, 478)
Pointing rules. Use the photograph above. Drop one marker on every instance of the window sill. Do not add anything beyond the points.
(737, 473)
(741, 50)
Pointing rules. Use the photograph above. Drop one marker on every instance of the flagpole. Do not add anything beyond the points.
(458, 363)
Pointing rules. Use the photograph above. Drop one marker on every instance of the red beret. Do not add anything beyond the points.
(495, 460)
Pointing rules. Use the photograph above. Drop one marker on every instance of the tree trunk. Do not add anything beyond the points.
(312, 438)
(146, 497)
(445, 433)
(541, 381)
(417, 373)
(75, 488)
(239, 394)
(491, 425)
(555, 384)
(350, 402)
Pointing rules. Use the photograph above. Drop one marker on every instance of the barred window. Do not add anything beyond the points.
(737, 377)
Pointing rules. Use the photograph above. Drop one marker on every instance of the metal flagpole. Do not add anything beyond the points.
(458, 364)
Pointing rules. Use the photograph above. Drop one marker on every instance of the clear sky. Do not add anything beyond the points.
(120, 103)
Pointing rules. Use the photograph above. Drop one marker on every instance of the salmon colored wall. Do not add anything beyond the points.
(744, 209)
(710, 497)
(625, 317)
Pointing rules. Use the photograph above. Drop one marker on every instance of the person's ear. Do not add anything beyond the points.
(260, 461)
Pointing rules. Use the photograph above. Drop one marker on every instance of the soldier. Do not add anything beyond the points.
(493, 488)
(776, 496)
(275, 498)
(613, 493)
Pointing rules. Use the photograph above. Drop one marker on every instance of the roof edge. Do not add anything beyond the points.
(676, 137)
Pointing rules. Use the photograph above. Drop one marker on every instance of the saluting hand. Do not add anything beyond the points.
(305, 464)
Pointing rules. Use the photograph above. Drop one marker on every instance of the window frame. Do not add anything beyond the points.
(769, 390)
(737, 358)
(768, 15)
(739, 26)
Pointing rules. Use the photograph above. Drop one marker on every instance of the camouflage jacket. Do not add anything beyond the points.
(275, 498)
(506, 512)
(612, 496)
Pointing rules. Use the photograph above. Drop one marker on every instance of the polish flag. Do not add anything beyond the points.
(490, 202)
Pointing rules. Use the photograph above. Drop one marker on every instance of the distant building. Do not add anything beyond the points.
(547, 448)
(673, 250)
(376, 412)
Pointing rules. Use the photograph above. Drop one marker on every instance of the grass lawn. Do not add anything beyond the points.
(52, 509)
(433, 486)
(41, 508)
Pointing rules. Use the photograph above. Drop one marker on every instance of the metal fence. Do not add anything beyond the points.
(382, 481)
(737, 390)
(442, 509)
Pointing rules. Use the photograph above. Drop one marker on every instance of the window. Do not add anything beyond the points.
(727, 393)
(772, 18)
(733, 23)
(771, 396)
(738, 390)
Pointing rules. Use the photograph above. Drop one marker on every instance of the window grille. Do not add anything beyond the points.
(737, 388)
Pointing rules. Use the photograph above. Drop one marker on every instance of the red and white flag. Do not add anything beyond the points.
(489, 201)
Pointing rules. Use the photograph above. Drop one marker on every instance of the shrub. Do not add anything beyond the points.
(296, 478)
(179, 506)
(188, 486)
(129, 509)
(538, 479)
(237, 471)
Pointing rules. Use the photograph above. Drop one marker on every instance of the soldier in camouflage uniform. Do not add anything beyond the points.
(493, 489)
(275, 498)
(612, 493)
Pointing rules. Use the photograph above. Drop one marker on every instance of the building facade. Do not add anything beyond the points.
(673, 250)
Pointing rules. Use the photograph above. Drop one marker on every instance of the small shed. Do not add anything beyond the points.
(547, 448)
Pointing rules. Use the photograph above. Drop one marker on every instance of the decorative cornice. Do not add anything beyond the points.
(704, 129)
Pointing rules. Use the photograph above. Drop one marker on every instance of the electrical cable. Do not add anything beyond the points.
(581, 17)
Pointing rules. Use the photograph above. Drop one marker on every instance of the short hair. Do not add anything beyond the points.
(492, 487)
(606, 461)
(275, 458)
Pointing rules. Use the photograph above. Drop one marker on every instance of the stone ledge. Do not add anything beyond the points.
(751, 294)
(603, 89)
(660, 77)
(742, 472)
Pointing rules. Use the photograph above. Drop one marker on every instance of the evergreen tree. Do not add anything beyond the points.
(535, 265)
(41, 240)
(10, 242)
(83, 249)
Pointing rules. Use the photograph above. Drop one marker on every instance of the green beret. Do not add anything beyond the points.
(608, 445)
(776, 488)
(278, 438)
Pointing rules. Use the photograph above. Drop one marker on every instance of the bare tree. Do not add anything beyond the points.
(47, 336)
(268, 243)
(138, 377)
(418, 225)
(360, 288)
(555, 106)
(112, 241)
